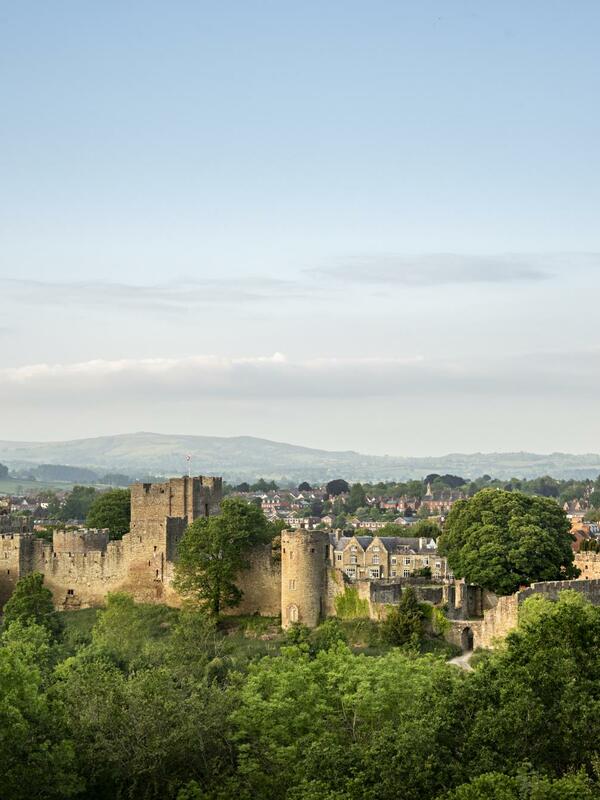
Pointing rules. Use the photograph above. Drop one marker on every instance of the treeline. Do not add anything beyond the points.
(63, 472)
(157, 704)
(545, 486)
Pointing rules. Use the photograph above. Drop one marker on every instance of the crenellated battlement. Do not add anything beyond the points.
(82, 565)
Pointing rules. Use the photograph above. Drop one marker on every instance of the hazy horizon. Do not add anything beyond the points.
(351, 226)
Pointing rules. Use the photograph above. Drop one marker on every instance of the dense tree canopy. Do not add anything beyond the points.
(501, 540)
(31, 603)
(356, 498)
(78, 503)
(155, 703)
(111, 510)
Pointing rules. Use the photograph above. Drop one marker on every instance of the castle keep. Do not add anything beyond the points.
(82, 566)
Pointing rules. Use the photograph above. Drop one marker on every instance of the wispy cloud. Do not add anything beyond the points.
(437, 269)
(172, 296)
(369, 272)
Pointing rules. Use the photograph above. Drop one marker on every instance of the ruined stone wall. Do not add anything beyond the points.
(589, 564)
(261, 584)
(504, 617)
(11, 546)
(498, 621)
(81, 540)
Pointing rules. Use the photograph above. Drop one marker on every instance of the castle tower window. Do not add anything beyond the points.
(71, 592)
(8, 572)
(293, 585)
(157, 573)
(293, 613)
(155, 548)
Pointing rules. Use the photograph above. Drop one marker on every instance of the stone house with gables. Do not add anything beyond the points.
(387, 557)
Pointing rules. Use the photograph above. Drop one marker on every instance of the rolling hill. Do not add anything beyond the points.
(246, 457)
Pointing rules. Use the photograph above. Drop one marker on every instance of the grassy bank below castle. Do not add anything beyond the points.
(244, 638)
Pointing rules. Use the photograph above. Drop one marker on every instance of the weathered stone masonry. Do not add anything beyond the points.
(81, 567)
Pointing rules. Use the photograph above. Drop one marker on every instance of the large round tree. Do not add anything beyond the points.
(502, 540)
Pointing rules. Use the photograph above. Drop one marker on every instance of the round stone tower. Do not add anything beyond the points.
(304, 561)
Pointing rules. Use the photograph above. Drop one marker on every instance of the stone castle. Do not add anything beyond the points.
(305, 580)
(81, 566)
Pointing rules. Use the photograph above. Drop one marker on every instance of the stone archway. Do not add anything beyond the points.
(466, 639)
(292, 613)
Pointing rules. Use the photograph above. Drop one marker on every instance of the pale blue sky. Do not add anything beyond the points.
(204, 185)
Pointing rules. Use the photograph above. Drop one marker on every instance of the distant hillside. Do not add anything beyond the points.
(243, 457)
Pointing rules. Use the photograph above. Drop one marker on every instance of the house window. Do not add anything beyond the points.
(407, 561)
(353, 549)
(375, 559)
(339, 556)
(406, 573)
(353, 559)
(425, 562)
(393, 573)
(438, 564)
(351, 572)
(394, 559)
(375, 549)
(374, 572)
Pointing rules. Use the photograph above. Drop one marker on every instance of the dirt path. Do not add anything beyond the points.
(462, 661)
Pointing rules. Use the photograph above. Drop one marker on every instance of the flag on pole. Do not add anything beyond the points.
(188, 458)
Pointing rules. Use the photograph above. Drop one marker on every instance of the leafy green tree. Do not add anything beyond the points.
(214, 550)
(142, 735)
(357, 497)
(3, 472)
(111, 510)
(346, 727)
(502, 540)
(404, 622)
(128, 632)
(31, 603)
(498, 786)
(426, 528)
(337, 486)
(37, 757)
(78, 503)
